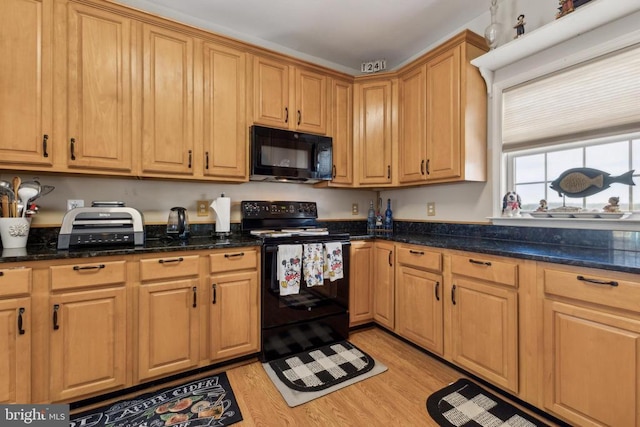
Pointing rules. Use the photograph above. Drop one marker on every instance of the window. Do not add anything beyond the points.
(531, 172)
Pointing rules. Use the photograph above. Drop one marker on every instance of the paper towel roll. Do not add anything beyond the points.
(222, 207)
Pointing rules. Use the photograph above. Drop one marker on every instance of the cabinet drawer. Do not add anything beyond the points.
(598, 288)
(15, 281)
(485, 268)
(168, 267)
(418, 257)
(232, 260)
(88, 274)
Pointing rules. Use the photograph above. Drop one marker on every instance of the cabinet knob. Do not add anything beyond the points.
(453, 294)
(56, 307)
(195, 296)
(213, 289)
(437, 291)
(72, 148)
(45, 139)
(21, 330)
(286, 114)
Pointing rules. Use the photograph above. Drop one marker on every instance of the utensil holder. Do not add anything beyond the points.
(14, 232)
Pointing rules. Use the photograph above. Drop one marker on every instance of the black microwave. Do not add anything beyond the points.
(288, 156)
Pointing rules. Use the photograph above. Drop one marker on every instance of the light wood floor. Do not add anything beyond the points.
(396, 397)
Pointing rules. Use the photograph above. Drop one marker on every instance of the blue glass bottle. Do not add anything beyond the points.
(371, 219)
(388, 219)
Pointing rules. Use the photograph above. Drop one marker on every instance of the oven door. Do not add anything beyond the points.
(332, 298)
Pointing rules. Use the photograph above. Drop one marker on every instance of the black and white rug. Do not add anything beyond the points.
(206, 402)
(464, 403)
(311, 374)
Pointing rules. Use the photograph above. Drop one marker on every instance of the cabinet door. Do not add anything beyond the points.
(15, 351)
(311, 101)
(167, 137)
(271, 93)
(373, 143)
(342, 119)
(99, 89)
(88, 342)
(591, 365)
(25, 83)
(383, 299)
(419, 305)
(361, 283)
(234, 322)
(443, 116)
(484, 330)
(225, 130)
(412, 156)
(167, 327)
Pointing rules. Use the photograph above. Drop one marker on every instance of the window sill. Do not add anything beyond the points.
(631, 223)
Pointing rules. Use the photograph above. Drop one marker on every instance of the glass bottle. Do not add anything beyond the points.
(388, 219)
(371, 219)
(492, 32)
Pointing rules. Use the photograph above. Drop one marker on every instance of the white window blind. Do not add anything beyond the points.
(597, 98)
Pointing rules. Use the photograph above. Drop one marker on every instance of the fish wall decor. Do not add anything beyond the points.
(583, 182)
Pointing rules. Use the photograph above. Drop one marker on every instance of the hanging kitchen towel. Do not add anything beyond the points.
(289, 268)
(333, 261)
(313, 264)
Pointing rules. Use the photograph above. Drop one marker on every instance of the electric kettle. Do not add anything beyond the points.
(178, 223)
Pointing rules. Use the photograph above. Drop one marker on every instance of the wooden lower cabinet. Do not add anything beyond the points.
(591, 346)
(483, 313)
(168, 314)
(361, 283)
(383, 292)
(234, 303)
(418, 297)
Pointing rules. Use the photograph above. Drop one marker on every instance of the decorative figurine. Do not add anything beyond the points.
(543, 206)
(613, 205)
(519, 26)
(566, 6)
(583, 182)
(511, 204)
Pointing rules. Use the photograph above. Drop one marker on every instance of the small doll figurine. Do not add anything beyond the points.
(519, 26)
(613, 205)
(543, 206)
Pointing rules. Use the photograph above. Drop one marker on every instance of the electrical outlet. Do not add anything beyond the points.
(71, 204)
(203, 208)
(431, 208)
(354, 209)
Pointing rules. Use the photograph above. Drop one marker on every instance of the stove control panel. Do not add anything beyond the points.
(278, 209)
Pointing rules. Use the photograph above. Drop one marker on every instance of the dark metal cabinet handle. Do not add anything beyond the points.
(428, 161)
(190, 158)
(206, 160)
(286, 114)
(45, 153)
(473, 261)
(437, 291)
(73, 148)
(334, 171)
(56, 307)
(1, 273)
(89, 267)
(195, 297)
(299, 117)
(597, 282)
(21, 331)
(411, 251)
(422, 167)
(167, 261)
(239, 254)
(390, 256)
(388, 171)
(453, 295)
(214, 289)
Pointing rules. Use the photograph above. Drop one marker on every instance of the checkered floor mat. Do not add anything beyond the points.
(464, 403)
(323, 367)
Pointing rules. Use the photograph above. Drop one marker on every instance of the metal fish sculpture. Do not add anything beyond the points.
(583, 182)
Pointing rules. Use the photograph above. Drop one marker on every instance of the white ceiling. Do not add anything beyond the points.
(341, 32)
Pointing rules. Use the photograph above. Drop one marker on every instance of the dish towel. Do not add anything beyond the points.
(333, 262)
(289, 267)
(313, 264)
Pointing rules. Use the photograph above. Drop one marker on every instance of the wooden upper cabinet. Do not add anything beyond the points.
(26, 84)
(342, 131)
(373, 132)
(225, 125)
(412, 156)
(168, 91)
(289, 97)
(99, 116)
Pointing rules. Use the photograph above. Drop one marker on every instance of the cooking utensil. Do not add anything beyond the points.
(16, 183)
(27, 194)
(5, 206)
(5, 188)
